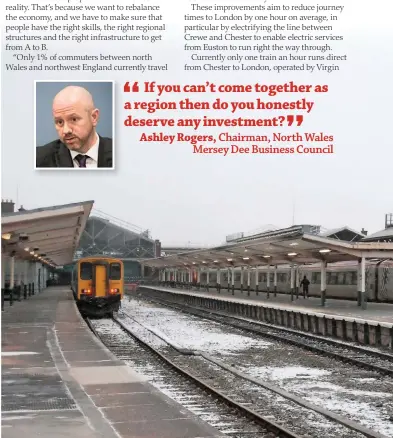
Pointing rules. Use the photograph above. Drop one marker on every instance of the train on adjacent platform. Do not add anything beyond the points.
(98, 285)
(341, 279)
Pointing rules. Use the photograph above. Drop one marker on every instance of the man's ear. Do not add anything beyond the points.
(95, 116)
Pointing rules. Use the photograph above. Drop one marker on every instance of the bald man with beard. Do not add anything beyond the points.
(79, 144)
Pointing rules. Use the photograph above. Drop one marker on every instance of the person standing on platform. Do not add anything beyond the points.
(305, 283)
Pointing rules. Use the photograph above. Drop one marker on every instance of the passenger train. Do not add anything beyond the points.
(98, 285)
(341, 279)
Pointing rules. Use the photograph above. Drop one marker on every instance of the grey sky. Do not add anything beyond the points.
(181, 196)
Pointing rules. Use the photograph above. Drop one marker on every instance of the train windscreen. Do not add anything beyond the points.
(86, 271)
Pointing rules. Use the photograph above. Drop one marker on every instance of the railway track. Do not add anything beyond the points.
(366, 358)
(275, 412)
(198, 396)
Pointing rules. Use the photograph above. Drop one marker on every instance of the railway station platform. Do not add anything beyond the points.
(340, 318)
(59, 380)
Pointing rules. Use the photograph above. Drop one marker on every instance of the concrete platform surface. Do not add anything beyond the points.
(376, 313)
(58, 380)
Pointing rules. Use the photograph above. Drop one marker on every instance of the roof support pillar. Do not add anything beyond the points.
(363, 284)
(297, 283)
(359, 282)
(248, 280)
(268, 281)
(256, 280)
(323, 282)
(21, 269)
(275, 280)
(12, 272)
(3, 270)
(233, 280)
(292, 280)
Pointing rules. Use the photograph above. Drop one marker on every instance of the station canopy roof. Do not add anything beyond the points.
(290, 245)
(49, 235)
(380, 236)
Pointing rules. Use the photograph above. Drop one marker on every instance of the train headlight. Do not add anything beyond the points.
(87, 291)
(114, 291)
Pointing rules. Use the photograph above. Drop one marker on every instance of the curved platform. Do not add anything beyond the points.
(59, 380)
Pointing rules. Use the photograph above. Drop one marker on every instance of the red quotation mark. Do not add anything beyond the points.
(291, 119)
(128, 89)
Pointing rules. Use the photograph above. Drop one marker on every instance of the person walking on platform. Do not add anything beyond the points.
(305, 283)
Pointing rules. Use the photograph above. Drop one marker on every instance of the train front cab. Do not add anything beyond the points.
(100, 286)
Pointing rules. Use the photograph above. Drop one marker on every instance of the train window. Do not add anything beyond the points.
(260, 278)
(86, 271)
(237, 277)
(348, 278)
(313, 278)
(115, 271)
(340, 279)
(354, 278)
(333, 278)
(318, 277)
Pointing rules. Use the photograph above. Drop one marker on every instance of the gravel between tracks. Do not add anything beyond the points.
(360, 395)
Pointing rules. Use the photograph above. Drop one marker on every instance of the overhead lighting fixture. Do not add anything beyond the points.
(215, 261)
(229, 260)
(203, 261)
(246, 258)
(193, 263)
(293, 244)
(324, 250)
(266, 257)
(27, 249)
(32, 252)
(6, 236)
(245, 250)
(291, 254)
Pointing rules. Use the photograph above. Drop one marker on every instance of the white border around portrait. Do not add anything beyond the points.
(113, 127)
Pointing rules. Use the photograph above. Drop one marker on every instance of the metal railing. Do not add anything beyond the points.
(16, 293)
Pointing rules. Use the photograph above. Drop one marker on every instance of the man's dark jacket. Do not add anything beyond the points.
(56, 154)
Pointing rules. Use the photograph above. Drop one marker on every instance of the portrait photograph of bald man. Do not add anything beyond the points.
(74, 125)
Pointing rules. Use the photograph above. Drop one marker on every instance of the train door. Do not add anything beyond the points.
(100, 280)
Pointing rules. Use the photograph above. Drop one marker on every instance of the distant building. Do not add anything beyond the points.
(105, 235)
(345, 233)
(385, 235)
